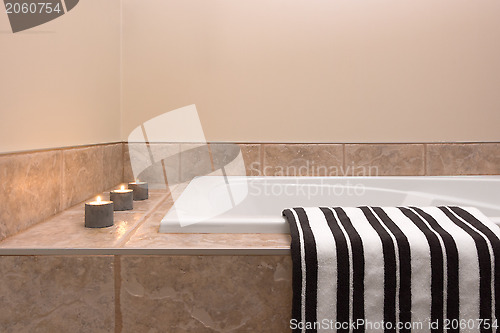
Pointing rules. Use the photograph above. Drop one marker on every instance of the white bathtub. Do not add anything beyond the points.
(234, 204)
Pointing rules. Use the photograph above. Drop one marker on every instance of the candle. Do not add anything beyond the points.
(122, 198)
(140, 190)
(98, 214)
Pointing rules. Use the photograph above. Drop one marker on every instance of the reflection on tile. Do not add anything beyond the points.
(30, 189)
(384, 160)
(83, 174)
(206, 293)
(302, 159)
(112, 165)
(67, 230)
(147, 236)
(463, 159)
(57, 294)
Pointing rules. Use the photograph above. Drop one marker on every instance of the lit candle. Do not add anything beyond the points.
(122, 198)
(98, 214)
(140, 190)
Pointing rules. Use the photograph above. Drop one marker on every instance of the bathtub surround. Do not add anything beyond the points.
(37, 185)
(202, 293)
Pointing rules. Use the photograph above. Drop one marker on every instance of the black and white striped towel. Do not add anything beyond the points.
(396, 269)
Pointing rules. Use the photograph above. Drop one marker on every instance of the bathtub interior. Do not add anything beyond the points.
(239, 204)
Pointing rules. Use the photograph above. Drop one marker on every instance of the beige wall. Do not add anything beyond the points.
(60, 82)
(320, 70)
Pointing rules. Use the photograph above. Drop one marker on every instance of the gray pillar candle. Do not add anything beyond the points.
(123, 199)
(99, 214)
(140, 190)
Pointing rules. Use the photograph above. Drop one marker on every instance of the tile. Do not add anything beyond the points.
(128, 173)
(57, 294)
(152, 163)
(384, 160)
(195, 161)
(206, 293)
(252, 157)
(83, 174)
(230, 159)
(302, 159)
(30, 190)
(463, 159)
(112, 165)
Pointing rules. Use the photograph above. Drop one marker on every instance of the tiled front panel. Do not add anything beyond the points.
(206, 294)
(57, 294)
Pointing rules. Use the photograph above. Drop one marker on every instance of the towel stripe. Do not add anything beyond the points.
(495, 245)
(297, 267)
(437, 262)
(343, 269)
(311, 268)
(452, 288)
(404, 268)
(484, 259)
(358, 269)
(389, 269)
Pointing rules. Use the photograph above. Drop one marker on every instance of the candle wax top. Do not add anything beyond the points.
(99, 203)
(137, 183)
(122, 190)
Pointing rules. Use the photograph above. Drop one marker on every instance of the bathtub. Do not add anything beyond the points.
(238, 204)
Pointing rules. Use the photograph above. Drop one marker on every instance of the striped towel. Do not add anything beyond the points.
(396, 269)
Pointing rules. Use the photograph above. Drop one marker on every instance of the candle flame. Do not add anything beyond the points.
(98, 199)
(122, 188)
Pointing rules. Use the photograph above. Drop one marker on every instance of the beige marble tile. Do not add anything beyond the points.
(83, 174)
(195, 161)
(128, 173)
(384, 160)
(30, 189)
(112, 165)
(56, 294)
(252, 157)
(302, 159)
(463, 159)
(229, 158)
(206, 293)
(67, 229)
(156, 163)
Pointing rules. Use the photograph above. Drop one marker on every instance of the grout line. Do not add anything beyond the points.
(117, 269)
(261, 159)
(61, 190)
